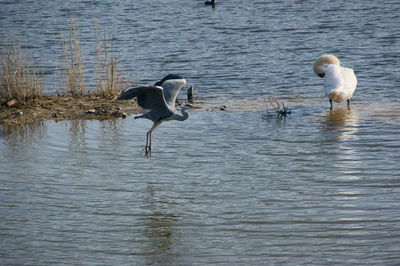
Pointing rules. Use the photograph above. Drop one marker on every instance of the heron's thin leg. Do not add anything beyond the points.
(348, 103)
(147, 149)
(330, 101)
(150, 143)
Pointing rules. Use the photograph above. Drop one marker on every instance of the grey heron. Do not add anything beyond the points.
(160, 100)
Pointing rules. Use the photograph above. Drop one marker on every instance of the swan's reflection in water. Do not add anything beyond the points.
(344, 122)
(345, 162)
(341, 128)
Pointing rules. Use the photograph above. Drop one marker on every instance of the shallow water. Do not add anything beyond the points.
(226, 187)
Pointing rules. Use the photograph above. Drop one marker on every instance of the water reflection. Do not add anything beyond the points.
(344, 122)
(345, 161)
(160, 230)
(78, 140)
(110, 133)
(20, 138)
(73, 135)
(24, 134)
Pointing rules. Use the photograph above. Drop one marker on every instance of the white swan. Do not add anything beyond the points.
(339, 82)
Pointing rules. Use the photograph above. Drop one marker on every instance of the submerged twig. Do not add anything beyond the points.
(278, 111)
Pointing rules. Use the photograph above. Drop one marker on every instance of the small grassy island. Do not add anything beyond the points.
(22, 97)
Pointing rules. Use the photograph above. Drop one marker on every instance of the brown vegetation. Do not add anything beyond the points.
(17, 79)
(21, 90)
(73, 71)
(109, 80)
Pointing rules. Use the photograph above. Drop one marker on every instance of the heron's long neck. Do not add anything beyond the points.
(181, 117)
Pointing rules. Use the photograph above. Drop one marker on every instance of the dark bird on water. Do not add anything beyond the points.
(190, 94)
(210, 3)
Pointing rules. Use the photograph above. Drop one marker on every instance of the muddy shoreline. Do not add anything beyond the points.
(59, 108)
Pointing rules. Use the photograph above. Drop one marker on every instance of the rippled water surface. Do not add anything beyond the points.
(223, 187)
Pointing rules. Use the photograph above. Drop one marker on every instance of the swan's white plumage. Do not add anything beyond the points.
(325, 59)
(339, 82)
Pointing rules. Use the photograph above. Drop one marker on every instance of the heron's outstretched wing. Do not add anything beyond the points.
(148, 97)
(171, 89)
(169, 76)
(172, 84)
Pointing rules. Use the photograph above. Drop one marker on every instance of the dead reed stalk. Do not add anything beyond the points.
(74, 81)
(18, 80)
(109, 80)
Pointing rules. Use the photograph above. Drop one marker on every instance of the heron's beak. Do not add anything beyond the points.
(191, 106)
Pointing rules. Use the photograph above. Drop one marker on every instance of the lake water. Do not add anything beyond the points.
(223, 187)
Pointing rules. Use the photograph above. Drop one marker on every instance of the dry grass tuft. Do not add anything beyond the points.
(74, 82)
(17, 79)
(20, 83)
(109, 80)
